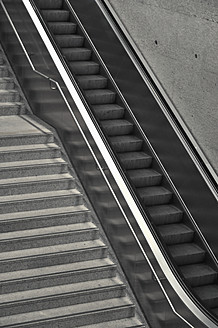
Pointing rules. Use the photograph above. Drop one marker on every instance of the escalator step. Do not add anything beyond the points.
(199, 274)
(135, 160)
(62, 27)
(208, 294)
(145, 177)
(55, 15)
(155, 195)
(176, 233)
(69, 40)
(185, 254)
(100, 96)
(108, 111)
(117, 127)
(76, 53)
(84, 67)
(92, 81)
(45, 4)
(126, 143)
(165, 214)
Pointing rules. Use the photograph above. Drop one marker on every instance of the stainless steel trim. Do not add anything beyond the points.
(169, 102)
(133, 207)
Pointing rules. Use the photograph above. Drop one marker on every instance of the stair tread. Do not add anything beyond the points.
(32, 147)
(122, 323)
(56, 269)
(45, 161)
(117, 123)
(35, 178)
(74, 227)
(73, 310)
(38, 195)
(30, 252)
(81, 78)
(44, 212)
(99, 92)
(85, 286)
(8, 91)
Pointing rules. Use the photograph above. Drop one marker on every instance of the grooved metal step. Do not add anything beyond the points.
(165, 214)
(84, 67)
(100, 96)
(108, 111)
(70, 40)
(199, 274)
(176, 233)
(62, 27)
(56, 15)
(92, 81)
(144, 177)
(185, 254)
(77, 54)
(155, 195)
(126, 143)
(117, 127)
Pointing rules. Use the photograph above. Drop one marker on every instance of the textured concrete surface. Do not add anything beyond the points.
(179, 41)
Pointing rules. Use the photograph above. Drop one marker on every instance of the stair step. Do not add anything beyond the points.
(43, 218)
(108, 111)
(60, 296)
(176, 233)
(154, 195)
(51, 255)
(84, 67)
(165, 214)
(117, 127)
(69, 40)
(54, 4)
(29, 152)
(35, 201)
(185, 254)
(77, 54)
(4, 72)
(208, 294)
(25, 139)
(144, 177)
(37, 184)
(55, 15)
(75, 315)
(100, 96)
(12, 108)
(92, 81)
(6, 83)
(48, 236)
(33, 167)
(126, 143)
(9, 96)
(56, 275)
(199, 274)
(135, 160)
(123, 323)
(62, 27)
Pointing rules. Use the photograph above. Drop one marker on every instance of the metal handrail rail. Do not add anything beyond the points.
(78, 102)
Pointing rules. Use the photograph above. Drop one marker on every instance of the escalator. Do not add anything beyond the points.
(176, 233)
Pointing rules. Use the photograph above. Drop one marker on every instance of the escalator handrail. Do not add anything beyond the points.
(136, 213)
(182, 130)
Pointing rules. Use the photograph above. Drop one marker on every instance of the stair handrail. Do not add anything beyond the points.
(111, 165)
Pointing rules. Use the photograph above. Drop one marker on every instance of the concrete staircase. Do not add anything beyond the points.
(55, 269)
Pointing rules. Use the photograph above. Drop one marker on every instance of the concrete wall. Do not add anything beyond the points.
(179, 40)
